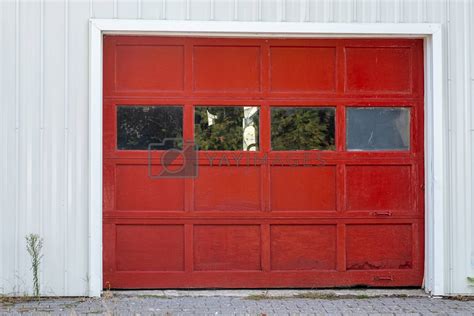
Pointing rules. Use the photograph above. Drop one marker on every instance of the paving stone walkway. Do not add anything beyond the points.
(254, 304)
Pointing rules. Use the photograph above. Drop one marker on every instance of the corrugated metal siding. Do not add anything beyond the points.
(44, 127)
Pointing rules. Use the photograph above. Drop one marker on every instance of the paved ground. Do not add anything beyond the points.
(242, 303)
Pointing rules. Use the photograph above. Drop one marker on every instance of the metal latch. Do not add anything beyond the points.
(382, 213)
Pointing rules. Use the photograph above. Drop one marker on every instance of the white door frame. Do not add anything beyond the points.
(435, 119)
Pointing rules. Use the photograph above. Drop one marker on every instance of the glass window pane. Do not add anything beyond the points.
(139, 126)
(378, 129)
(303, 128)
(226, 128)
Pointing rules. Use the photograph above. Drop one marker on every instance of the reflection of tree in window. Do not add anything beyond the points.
(226, 128)
(250, 129)
(139, 126)
(302, 128)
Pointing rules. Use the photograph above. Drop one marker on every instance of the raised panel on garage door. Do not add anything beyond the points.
(262, 162)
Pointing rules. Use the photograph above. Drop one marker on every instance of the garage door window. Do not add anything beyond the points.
(138, 127)
(303, 128)
(378, 128)
(227, 127)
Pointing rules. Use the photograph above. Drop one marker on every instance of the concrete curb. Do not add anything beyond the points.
(357, 293)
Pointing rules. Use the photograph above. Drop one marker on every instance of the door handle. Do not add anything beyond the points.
(382, 213)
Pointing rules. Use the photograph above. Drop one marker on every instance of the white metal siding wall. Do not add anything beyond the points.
(44, 118)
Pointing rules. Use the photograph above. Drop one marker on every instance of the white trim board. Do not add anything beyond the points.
(435, 118)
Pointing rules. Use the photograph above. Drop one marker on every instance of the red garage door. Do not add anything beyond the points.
(308, 170)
